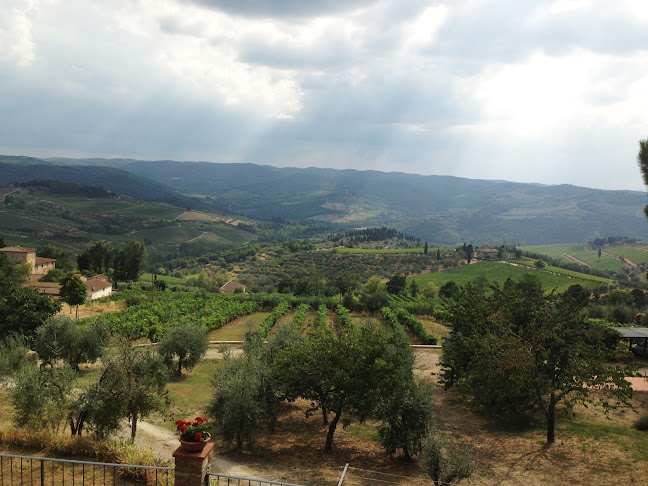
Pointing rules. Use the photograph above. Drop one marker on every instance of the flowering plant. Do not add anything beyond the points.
(195, 431)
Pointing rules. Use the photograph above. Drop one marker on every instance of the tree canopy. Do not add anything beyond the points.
(513, 349)
(73, 291)
(346, 370)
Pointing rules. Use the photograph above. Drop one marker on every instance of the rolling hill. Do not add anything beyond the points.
(441, 209)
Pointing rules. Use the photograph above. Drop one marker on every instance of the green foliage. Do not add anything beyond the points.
(74, 343)
(514, 349)
(41, 396)
(210, 281)
(54, 275)
(396, 284)
(132, 386)
(73, 291)
(346, 371)
(374, 301)
(321, 316)
(14, 355)
(150, 319)
(22, 309)
(269, 322)
(430, 291)
(406, 418)
(244, 394)
(642, 160)
(189, 342)
(130, 261)
(446, 460)
(63, 263)
(414, 325)
(300, 316)
(343, 318)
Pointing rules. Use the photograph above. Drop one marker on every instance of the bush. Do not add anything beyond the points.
(445, 460)
(14, 354)
(40, 396)
(406, 416)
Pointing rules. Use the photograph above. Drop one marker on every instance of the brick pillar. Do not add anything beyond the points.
(191, 467)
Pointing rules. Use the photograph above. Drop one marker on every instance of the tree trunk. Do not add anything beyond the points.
(551, 420)
(406, 453)
(133, 426)
(77, 312)
(179, 372)
(324, 415)
(239, 441)
(331, 430)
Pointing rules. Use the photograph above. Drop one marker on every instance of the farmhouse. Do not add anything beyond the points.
(22, 254)
(98, 286)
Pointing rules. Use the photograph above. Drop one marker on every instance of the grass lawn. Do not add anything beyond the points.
(435, 328)
(190, 393)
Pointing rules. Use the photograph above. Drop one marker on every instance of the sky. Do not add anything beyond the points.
(551, 92)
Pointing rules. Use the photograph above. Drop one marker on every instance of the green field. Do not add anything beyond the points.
(499, 273)
(169, 235)
(224, 237)
(392, 251)
(93, 205)
(633, 254)
(577, 250)
(153, 211)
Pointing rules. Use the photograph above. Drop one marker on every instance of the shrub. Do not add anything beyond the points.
(445, 460)
(14, 354)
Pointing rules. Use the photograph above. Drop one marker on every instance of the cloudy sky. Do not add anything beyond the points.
(525, 90)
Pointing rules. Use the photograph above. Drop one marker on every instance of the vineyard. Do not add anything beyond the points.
(150, 319)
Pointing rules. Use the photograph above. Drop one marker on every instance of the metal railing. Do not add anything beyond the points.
(46, 471)
(214, 479)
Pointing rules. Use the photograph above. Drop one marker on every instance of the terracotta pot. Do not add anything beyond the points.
(194, 446)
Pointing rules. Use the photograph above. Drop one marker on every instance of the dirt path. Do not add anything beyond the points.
(163, 442)
(574, 260)
(199, 237)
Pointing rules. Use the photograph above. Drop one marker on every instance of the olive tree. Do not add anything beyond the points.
(187, 342)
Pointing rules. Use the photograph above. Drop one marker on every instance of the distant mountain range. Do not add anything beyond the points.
(439, 209)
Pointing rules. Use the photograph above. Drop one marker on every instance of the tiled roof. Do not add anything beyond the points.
(43, 261)
(16, 249)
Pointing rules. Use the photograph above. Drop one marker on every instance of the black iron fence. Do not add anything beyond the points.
(213, 479)
(44, 471)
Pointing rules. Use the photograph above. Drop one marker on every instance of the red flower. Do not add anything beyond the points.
(183, 428)
(198, 437)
